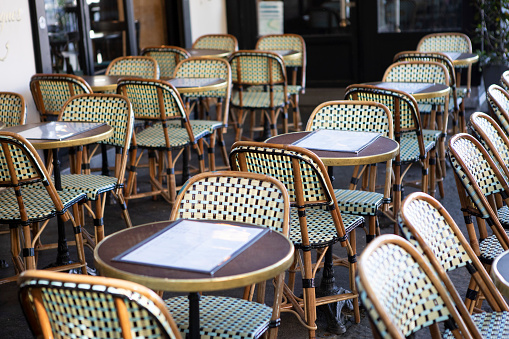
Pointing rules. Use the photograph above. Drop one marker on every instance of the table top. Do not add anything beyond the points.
(208, 52)
(416, 89)
(100, 83)
(263, 260)
(500, 273)
(84, 138)
(287, 54)
(381, 150)
(191, 85)
(463, 59)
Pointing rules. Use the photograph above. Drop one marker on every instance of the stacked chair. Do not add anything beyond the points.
(167, 58)
(315, 221)
(262, 201)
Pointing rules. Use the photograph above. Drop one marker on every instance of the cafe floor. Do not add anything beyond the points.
(13, 324)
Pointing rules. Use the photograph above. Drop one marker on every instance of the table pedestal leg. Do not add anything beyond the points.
(332, 311)
(194, 315)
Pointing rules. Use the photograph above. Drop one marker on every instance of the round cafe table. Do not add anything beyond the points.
(101, 83)
(500, 273)
(208, 52)
(264, 259)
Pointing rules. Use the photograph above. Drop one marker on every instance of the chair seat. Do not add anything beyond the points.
(91, 185)
(290, 89)
(357, 202)
(223, 317)
(200, 125)
(431, 135)
(37, 202)
(153, 137)
(409, 148)
(490, 248)
(503, 216)
(321, 230)
(256, 99)
(490, 324)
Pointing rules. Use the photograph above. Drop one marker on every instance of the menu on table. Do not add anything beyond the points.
(192, 245)
(338, 141)
(59, 130)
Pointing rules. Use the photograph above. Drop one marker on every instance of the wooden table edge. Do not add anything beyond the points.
(207, 88)
(435, 94)
(498, 279)
(465, 62)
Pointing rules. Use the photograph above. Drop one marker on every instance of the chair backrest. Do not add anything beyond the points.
(12, 109)
(428, 226)
(480, 178)
(137, 66)
(498, 99)
(350, 115)
(167, 58)
(65, 305)
(235, 196)
(402, 293)
(51, 91)
(429, 57)
(225, 42)
(405, 113)
(21, 166)
(300, 170)
(113, 109)
(493, 139)
(417, 71)
(504, 80)
(257, 68)
(445, 42)
(288, 41)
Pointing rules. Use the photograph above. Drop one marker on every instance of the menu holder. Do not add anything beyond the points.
(58, 130)
(337, 141)
(192, 245)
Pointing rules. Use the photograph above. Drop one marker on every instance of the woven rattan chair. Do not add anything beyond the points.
(59, 305)
(403, 294)
(51, 91)
(407, 132)
(209, 68)
(12, 109)
(428, 226)
(225, 42)
(144, 67)
(456, 102)
(29, 197)
(315, 220)
(158, 102)
(167, 58)
(504, 80)
(433, 73)
(479, 181)
(498, 100)
(263, 201)
(358, 116)
(449, 42)
(296, 68)
(114, 110)
(258, 68)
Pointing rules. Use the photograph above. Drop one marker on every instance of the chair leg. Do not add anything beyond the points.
(211, 152)
(309, 293)
(121, 201)
(222, 145)
(99, 220)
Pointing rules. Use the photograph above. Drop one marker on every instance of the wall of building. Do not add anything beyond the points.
(17, 61)
(207, 17)
(152, 19)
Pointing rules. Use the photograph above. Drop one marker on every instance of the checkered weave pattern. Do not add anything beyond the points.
(257, 68)
(51, 91)
(89, 311)
(138, 66)
(358, 202)
(223, 317)
(12, 109)
(234, 199)
(26, 168)
(200, 125)
(225, 42)
(499, 103)
(167, 58)
(206, 68)
(490, 248)
(445, 42)
(284, 42)
(430, 57)
(436, 233)
(406, 294)
(258, 99)
(91, 185)
(504, 81)
(154, 137)
(479, 168)
(493, 325)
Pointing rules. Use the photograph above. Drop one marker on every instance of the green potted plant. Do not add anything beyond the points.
(492, 34)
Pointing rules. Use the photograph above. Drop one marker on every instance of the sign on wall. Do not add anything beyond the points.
(270, 17)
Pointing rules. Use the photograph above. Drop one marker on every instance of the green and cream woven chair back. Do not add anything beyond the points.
(63, 305)
(445, 42)
(234, 196)
(257, 68)
(51, 91)
(167, 58)
(498, 99)
(225, 42)
(137, 66)
(12, 109)
(504, 81)
(401, 292)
